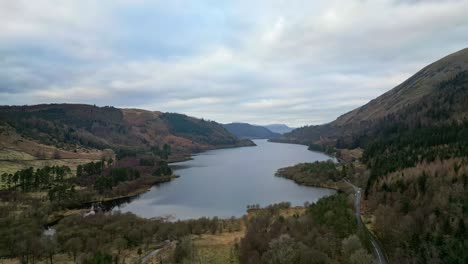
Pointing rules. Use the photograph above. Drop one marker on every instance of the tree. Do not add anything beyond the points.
(166, 151)
(109, 162)
(163, 169)
(100, 258)
(79, 171)
(361, 256)
(50, 247)
(350, 245)
(73, 246)
(282, 250)
(120, 244)
(183, 250)
(57, 154)
(4, 178)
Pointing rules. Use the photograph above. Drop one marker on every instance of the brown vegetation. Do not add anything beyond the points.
(421, 212)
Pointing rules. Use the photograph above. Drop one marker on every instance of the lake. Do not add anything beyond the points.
(223, 182)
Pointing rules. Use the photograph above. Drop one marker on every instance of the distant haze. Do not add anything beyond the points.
(279, 128)
(286, 62)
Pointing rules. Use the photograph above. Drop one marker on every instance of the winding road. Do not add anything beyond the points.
(376, 248)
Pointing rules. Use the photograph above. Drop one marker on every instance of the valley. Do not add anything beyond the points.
(183, 189)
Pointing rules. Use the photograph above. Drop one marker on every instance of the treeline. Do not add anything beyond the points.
(155, 151)
(326, 233)
(162, 169)
(100, 238)
(65, 124)
(96, 177)
(429, 204)
(114, 177)
(103, 176)
(435, 128)
(445, 105)
(419, 175)
(91, 168)
(28, 180)
(203, 131)
(322, 148)
(321, 174)
(406, 148)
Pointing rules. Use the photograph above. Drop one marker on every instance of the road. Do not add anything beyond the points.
(376, 248)
(155, 252)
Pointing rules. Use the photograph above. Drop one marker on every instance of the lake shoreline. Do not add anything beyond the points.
(85, 207)
(230, 171)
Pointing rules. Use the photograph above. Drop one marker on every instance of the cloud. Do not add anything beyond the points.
(295, 62)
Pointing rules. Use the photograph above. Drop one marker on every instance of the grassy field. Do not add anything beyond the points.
(217, 249)
(11, 154)
(12, 161)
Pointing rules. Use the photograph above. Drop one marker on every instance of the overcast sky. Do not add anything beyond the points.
(292, 62)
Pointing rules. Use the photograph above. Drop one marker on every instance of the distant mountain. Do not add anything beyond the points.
(279, 128)
(244, 130)
(418, 101)
(73, 126)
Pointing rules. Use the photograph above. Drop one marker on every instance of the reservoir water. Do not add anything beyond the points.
(223, 182)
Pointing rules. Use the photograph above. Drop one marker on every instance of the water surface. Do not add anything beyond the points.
(223, 182)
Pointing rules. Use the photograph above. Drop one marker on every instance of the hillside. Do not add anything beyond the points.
(244, 130)
(279, 128)
(74, 131)
(415, 146)
(415, 100)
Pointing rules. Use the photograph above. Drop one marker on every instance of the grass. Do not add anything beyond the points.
(11, 154)
(217, 249)
(369, 222)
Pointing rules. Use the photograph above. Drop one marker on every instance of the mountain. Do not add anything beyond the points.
(418, 100)
(71, 128)
(415, 147)
(279, 128)
(244, 130)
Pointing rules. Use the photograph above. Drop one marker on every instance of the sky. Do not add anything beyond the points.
(273, 61)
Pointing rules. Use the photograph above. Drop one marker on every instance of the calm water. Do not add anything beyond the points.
(223, 182)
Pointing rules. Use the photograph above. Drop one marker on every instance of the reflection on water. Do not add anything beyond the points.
(223, 182)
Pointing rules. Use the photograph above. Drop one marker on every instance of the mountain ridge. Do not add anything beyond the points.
(367, 117)
(279, 128)
(70, 127)
(249, 131)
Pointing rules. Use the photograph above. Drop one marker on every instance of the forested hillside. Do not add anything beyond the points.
(70, 127)
(244, 130)
(415, 142)
(413, 100)
(326, 233)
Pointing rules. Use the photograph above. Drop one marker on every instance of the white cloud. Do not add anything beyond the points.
(295, 62)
